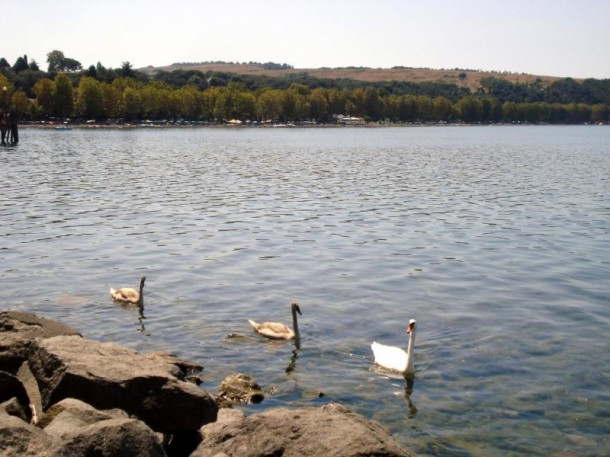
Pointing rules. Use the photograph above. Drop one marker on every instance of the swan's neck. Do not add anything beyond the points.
(409, 369)
(295, 325)
(141, 296)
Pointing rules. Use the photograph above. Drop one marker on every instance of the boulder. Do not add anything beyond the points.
(72, 414)
(18, 332)
(114, 437)
(106, 376)
(18, 438)
(84, 431)
(331, 431)
(237, 389)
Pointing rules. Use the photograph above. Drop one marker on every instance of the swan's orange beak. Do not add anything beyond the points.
(410, 328)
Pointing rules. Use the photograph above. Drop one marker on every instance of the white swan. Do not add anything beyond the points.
(129, 295)
(394, 358)
(278, 331)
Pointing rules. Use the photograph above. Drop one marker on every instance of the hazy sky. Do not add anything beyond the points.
(543, 37)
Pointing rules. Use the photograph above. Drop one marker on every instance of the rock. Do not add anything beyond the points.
(11, 387)
(114, 437)
(238, 388)
(106, 376)
(31, 387)
(84, 431)
(75, 414)
(19, 330)
(18, 438)
(331, 431)
(13, 407)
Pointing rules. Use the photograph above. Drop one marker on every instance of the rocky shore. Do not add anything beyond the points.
(64, 395)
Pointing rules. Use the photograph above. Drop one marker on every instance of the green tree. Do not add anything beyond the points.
(424, 108)
(599, 113)
(131, 103)
(441, 109)
(20, 103)
(89, 98)
(21, 64)
(357, 99)
(189, 102)
(269, 105)
(208, 102)
(407, 108)
(470, 109)
(71, 65)
(64, 96)
(55, 59)
(127, 70)
(111, 100)
(390, 108)
(371, 103)
(495, 110)
(337, 100)
(318, 103)
(244, 105)
(45, 94)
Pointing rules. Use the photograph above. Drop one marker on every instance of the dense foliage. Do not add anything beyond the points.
(67, 90)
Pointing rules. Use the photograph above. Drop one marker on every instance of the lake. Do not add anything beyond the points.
(496, 239)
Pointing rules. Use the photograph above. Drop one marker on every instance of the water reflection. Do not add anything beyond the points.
(409, 382)
(141, 317)
(293, 359)
(140, 307)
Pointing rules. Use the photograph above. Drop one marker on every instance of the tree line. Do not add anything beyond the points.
(99, 93)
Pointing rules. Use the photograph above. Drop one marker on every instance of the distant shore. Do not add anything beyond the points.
(191, 125)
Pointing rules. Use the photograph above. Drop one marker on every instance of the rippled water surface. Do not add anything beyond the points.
(496, 239)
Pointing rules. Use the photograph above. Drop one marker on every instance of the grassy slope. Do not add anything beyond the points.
(415, 75)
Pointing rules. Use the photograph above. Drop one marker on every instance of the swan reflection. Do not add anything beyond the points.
(409, 382)
(293, 360)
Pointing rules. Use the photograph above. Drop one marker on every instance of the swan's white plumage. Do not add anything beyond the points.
(389, 357)
(394, 358)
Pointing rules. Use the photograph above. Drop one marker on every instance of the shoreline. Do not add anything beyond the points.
(198, 125)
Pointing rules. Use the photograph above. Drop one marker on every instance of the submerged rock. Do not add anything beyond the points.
(237, 389)
(330, 431)
(106, 375)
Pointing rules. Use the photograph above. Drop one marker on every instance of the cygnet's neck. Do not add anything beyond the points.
(141, 297)
(295, 324)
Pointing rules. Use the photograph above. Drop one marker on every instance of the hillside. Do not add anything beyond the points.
(472, 79)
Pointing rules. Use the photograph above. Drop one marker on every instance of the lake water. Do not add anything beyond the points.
(496, 239)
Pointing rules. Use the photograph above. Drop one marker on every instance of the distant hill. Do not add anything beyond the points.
(462, 78)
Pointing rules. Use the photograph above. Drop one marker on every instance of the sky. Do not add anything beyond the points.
(566, 38)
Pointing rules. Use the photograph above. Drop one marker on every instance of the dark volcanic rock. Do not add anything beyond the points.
(18, 332)
(106, 375)
(330, 431)
(238, 388)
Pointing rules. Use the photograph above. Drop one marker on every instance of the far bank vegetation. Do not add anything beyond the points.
(185, 93)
